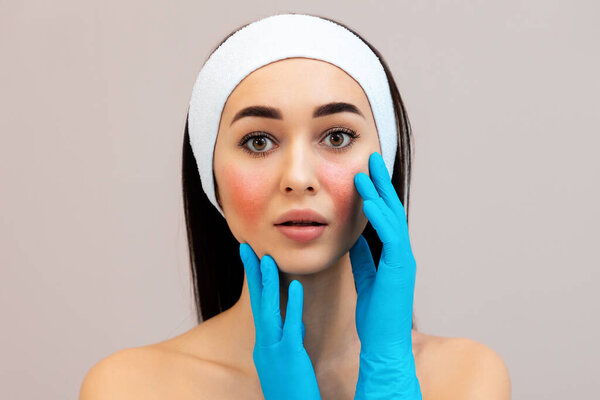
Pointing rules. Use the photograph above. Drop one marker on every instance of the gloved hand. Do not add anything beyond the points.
(284, 368)
(385, 296)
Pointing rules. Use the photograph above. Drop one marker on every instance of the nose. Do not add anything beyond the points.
(299, 167)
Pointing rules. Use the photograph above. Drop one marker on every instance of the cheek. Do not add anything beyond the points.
(245, 191)
(339, 180)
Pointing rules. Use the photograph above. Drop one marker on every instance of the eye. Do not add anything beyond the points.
(258, 140)
(336, 136)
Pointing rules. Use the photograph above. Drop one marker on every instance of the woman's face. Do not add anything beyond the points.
(298, 161)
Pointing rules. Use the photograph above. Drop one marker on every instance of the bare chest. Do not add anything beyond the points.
(213, 381)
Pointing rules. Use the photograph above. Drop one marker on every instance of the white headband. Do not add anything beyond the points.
(274, 38)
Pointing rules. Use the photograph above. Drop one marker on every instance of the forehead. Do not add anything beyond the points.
(295, 82)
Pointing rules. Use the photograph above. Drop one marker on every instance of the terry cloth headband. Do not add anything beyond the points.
(274, 38)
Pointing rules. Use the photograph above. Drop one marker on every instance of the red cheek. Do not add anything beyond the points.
(247, 194)
(339, 181)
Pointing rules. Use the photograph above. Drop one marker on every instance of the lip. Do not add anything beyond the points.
(302, 233)
(302, 215)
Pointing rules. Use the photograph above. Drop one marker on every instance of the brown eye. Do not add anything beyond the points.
(336, 138)
(256, 144)
(259, 143)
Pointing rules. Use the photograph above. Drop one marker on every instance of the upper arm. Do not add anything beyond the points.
(114, 377)
(488, 376)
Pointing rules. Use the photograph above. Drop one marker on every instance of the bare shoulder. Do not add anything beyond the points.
(187, 366)
(149, 372)
(116, 376)
(462, 368)
(487, 373)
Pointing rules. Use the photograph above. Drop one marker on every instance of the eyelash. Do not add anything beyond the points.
(353, 135)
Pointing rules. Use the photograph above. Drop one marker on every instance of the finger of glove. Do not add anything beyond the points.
(365, 187)
(367, 190)
(396, 268)
(379, 216)
(383, 184)
(379, 188)
(253, 276)
(270, 315)
(363, 266)
(292, 328)
(395, 254)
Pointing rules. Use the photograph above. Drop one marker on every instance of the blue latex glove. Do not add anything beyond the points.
(385, 296)
(284, 368)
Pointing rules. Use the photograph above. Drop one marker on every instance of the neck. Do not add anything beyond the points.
(328, 315)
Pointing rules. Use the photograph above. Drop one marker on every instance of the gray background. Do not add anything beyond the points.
(503, 101)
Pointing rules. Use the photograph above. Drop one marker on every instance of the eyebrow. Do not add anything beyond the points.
(275, 113)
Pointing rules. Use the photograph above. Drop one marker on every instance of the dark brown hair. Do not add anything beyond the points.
(217, 270)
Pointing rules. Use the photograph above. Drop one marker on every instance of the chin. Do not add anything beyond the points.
(304, 261)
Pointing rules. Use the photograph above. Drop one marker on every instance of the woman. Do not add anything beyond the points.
(296, 134)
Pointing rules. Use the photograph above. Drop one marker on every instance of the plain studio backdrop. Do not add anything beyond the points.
(503, 102)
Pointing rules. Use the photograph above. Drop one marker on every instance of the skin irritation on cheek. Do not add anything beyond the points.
(339, 181)
(247, 193)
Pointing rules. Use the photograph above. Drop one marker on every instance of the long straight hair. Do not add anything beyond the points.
(216, 268)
